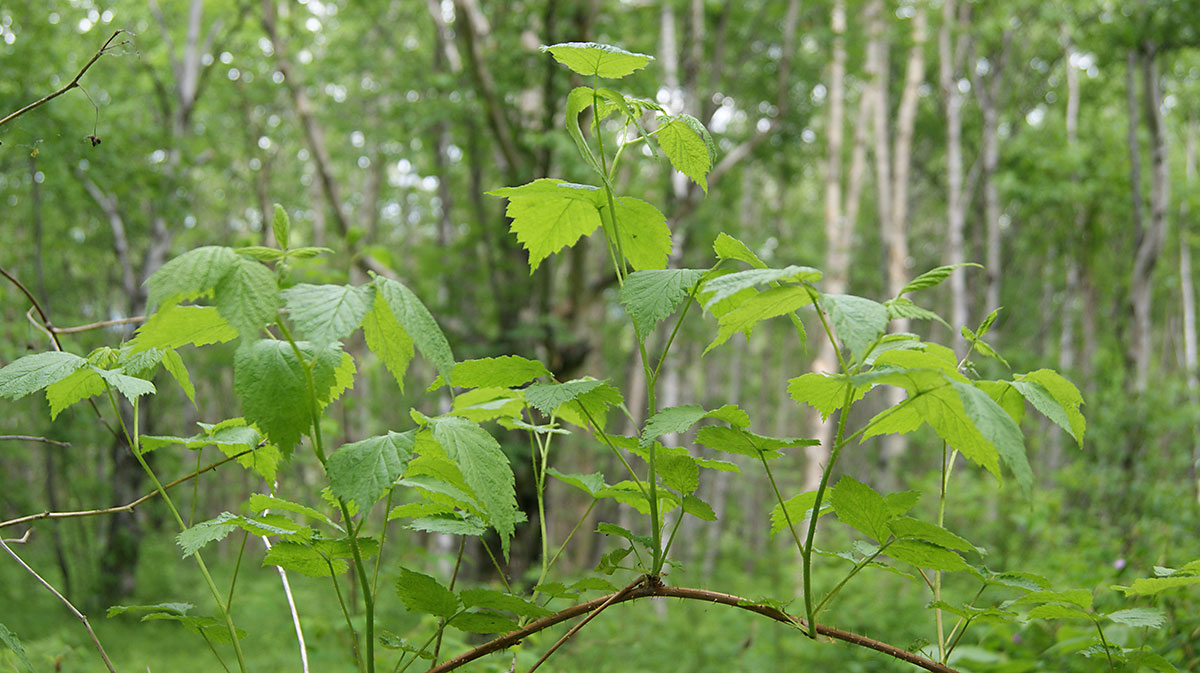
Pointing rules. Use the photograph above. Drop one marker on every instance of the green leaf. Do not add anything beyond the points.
(903, 307)
(679, 472)
(306, 252)
(450, 524)
(1077, 597)
(259, 502)
(859, 506)
(129, 386)
(386, 338)
(392, 641)
(192, 539)
(932, 277)
(588, 483)
(580, 99)
(1054, 611)
(722, 287)
(857, 321)
(83, 383)
(546, 397)
(1064, 392)
(193, 274)
(745, 443)
(33, 372)
(1149, 586)
(908, 527)
(799, 510)
(823, 392)
(925, 555)
(506, 371)
(271, 383)
(281, 225)
(175, 367)
(671, 420)
(482, 622)
(599, 60)
(498, 600)
(999, 429)
(698, 508)
(10, 640)
(304, 560)
(728, 247)
(1151, 618)
(247, 296)
(365, 471)
(327, 313)
(175, 326)
(763, 306)
(261, 253)
(548, 215)
(650, 296)
(418, 322)
(485, 468)
(423, 594)
(688, 146)
(642, 230)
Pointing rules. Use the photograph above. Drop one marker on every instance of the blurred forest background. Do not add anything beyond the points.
(1052, 142)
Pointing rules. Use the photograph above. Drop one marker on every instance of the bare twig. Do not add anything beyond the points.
(595, 613)
(70, 85)
(29, 438)
(98, 325)
(651, 590)
(83, 618)
(121, 508)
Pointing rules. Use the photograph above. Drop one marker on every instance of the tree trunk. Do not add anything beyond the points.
(951, 49)
(1188, 296)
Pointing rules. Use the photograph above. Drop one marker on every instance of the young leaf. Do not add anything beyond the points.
(932, 277)
(304, 560)
(925, 555)
(498, 600)
(859, 506)
(763, 306)
(548, 215)
(588, 483)
(506, 371)
(192, 539)
(728, 285)
(364, 471)
(1151, 618)
(31, 373)
(193, 274)
(272, 385)
(824, 393)
(687, 144)
(698, 508)
(908, 527)
(547, 397)
(745, 443)
(80, 385)
(175, 326)
(261, 253)
(450, 524)
(679, 472)
(642, 231)
(175, 367)
(903, 307)
(423, 594)
(597, 60)
(1064, 392)
(247, 296)
(129, 386)
(281, 225)
(485, 468)
(857, 321)
(1054, 611)
(418, 322)
(386, 338)
(728, 247)
(650, 296)
(327, 313)
(671, 420)
(10, 640)
(1078, 597)
(1149, 586)
(799, 511)
(998, 428)
(259, 502)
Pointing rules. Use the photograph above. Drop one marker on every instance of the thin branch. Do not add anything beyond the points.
(122, 508)
(70, 85)
(83, 618)
(651, 590)
(595, 613)
(29, 438)
(98, 325)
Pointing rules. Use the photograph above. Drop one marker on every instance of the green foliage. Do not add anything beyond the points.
(421, 593)
(364, 471)
(597, 60)
(13, 644)
(485, 469)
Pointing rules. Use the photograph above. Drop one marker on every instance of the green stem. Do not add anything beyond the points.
(387, 508)
(237, 566)
(134, 445)
(596, 431)
(496, 565)
(437, 648)
(416, 655)
(947, 469)
(568, 539)
(195, 488)
(675, 330)
(337, 590)
(962, 623)
(1104, 642)
(854, 571)
(782, 506)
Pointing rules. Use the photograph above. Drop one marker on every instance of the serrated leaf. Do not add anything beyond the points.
(762, 306)
(698, 508)
(327, 313)
(799, 510)
(193, 274)
(423, 594)
(683, 140)
(482, 622)
(304, 560)
(723, 287)
(671, 420)
(31, 373)
(999, 429)
(281, 226)
(386, 338)
(13, 643)
(505, 371)
(728, 247)
(259, 502)
(642, 231)
(548, 215)
(307, 252)
(365, 471)
(908, 527)
(925, 555)
(1065, 393)
(273, 388)
(418, 323)
(857, 321)
(652, 295)
(80, 385)
(1078, 597)
(175, 367)
(1149, 586)
(176, 326)
(932, 277)
(591, 59)
(498, 600)
(247, 296)
(1151, 618)
(485, 468)
(745, 443)
(588, 483)
(205, 532)
(824, 393)
(129, 386)
(260, 253)
(859, 506)
(1054, 611)
(903, 307)
(679, 472)
(450, 524)
(546, 397)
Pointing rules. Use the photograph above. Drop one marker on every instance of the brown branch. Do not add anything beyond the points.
(654, 589)
(70, 85)
(595, 613)
(29, 438)
(120, 508)
(98, 325)
(82, 617)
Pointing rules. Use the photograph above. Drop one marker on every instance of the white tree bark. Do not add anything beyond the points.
(951, 50)
(1188, 297)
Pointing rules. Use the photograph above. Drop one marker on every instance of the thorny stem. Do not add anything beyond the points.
(595, 613)
(337, 590)
(78, 615)
(853, 571)
(782, 506)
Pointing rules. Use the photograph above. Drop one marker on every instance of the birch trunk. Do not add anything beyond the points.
(950, 55)
(1188, 296)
